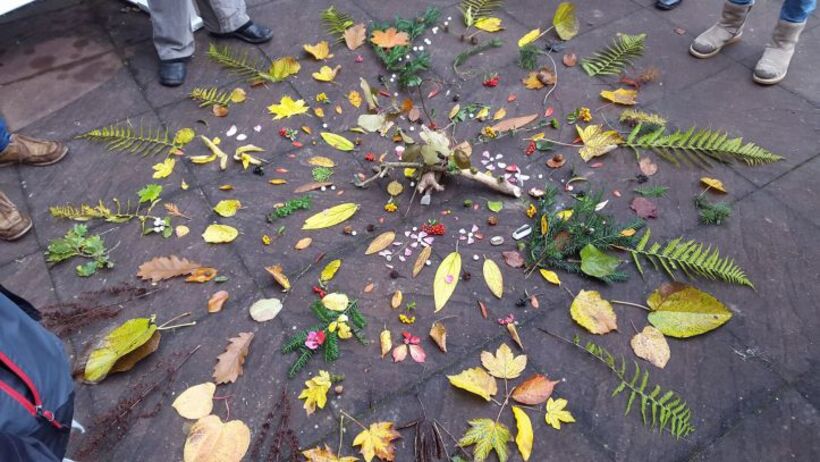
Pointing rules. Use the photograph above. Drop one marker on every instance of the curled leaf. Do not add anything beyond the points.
(217, 300)
(279, 276)
(438, 332)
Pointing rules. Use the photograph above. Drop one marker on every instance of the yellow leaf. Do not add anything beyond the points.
(320, 51)
(475, 380)
(329, 271)
(319, 161)
(182, 230)
(390, 38)
(338, 141)
(489, 24)
(331, 217)
(713, 183)
(354, 98)
(621, 96)
(219, 234)
(493, 277)
(556, 413)
(446, 279)
(118, 343)
(315, 392)
(211, 440)
(279, 276)
(303, 243)
(385, 342)
(278, 181)
(320, 112)
(238, 95)
(550, 276)
(597, 141)
(532, 82)
(523, 439)
(500, 114)
(196, 402)
(325, 454)
(565, 22)
(376, 441)
(228, 207)
(394, 188)
(651, 345)
(483, 113)
(381, 242)
(283, 68)
(164, 168)
(326, 73)
(545, 225)
(628, 232)
(503, 364)
(421, 260)
(593, 313)
(564, 214)
(287, 108)
(529, 37)
(335, 301)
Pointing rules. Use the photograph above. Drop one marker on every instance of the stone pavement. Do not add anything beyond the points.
(67, 66)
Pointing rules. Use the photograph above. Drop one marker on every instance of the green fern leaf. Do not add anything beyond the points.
(698, 147)
(692, 258)
(125, 138)
(613, 59)
(336, 22)
(211, 96)
(474, 10)
(253, 70)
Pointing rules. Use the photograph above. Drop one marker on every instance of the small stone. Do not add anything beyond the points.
(241, 137)
(425, 199)
(231, 131)
(492, 220)
(496, 240)
(338, 389)
(257, 128)
(475, 257)
(347, 229)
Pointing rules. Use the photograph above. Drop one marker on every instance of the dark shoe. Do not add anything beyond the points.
(13, 225)
(667, 4)
(172, 73)
(251, 33)
(32, 151)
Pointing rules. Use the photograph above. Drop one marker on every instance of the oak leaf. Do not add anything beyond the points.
(160, 268)
(503, 364)
(287, 108)
(376, 441)
(229, 364)
(279, 276)
(390, 38)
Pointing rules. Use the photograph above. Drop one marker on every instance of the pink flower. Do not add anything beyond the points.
(315, 339)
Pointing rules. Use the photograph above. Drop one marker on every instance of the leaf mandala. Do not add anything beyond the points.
(125, 138)
(689, 257)
(613, 59)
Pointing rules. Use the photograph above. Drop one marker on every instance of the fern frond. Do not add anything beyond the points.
(125, 138)
(692, 258)
(336, 22)
(634, 117)
(659, 410)
(699, 146)
(211, 96)
(613, 59)
(477, 9)
(240, 64)
(712, 213)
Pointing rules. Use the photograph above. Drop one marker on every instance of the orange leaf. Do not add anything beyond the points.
(160, 268)
(202, 275)
(390, 38)
(217, 300)
(534, 390)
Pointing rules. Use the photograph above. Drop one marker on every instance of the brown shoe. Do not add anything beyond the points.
(31, 151)
(13, 225)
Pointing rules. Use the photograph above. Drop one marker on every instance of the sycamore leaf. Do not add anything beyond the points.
(211, 440)
(651, 345)
(557, 414)
(621, 96)
(338, 141)
(320, 51)
(195, 402)
(355, 36)
(593, 313)
(160, 268)
(329, 271)
(489, 24)
(534, 390)
(597, 141)
(287, 107)
(446, 279)
(438, 332)
(381, 242)
(713, 183)
(529, 37)
(550, 276)
(493, 277)
(524, 436)
(596, 263)
(421, 260)
(279, 276)
(487, 435)
(376, 441)
(475, 380)
(315, 392)
(229, 364)
(126, 338)
(325, 454)
(283, 68)
(355, 98)
(680, 310)
(390, 38)
(565, 21)
(184, 136)
(227, 207)
(164, 168)
(326, 73)
(532, 82)
(331, 217)
(219, 234)
(265, 309)
(336, 301)
(504, 364)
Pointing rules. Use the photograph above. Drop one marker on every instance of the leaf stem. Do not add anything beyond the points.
(636, 305)
(345, 414)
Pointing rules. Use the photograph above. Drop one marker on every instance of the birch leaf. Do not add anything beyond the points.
(597, 141)
(524, 436)
(493, 277)
(446, 279)
(504, 364)
(487, 435)
(514, 123)
(489, 24)
(593, 313)
(529, 37)
(338, 141)
(376, 441)
(331, 217)
(565, 21)
(381, 242)
(680, 310)
(550, 276)
(651, 345)
(438, 332)
(329, 271)
(227, 208)
(229, 364)
(421, 260)
(475, 380)
(219, 234)
(195, 402)
(211, 440)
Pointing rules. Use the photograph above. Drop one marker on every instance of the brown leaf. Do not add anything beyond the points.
(173, 210)
(217, 300)
(644, 207)
(438, 332)
(369, 288)
(219, 110)
(127, 362)
(279, 276)
(647, 166)
(651, 345)
(534, 390)
(483, 309)
(160, 268)
(569, 59)
(513, 258)
(311, 187)
(421, 260)
(229, 364)
(514, 335)
(355, 36)
(514, 123)
(303, 243)
(414, 114)
(546, 76)
(202, 275)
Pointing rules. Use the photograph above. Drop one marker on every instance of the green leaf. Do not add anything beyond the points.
(149, 193)
(495, 206)
(680, 310)
(184, 136)
(86, 269)
(126, 338)
(596, 263)
(565, 21)
(487, 435)
(612, 60)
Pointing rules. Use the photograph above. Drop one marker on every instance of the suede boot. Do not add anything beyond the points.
(13, 225)
(727, 31)
(32, 151)
(774, 63)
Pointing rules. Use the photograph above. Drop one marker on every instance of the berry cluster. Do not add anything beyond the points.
(434, 229)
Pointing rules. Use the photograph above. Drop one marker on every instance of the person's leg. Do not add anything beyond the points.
(173, 38)
(5, 136)
(727, 30)
(797, 10)
(774, 64)
(228, 18)
(21, 149)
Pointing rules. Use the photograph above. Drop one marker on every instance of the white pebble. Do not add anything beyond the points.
(333, 187)
(412, 128)
(324, 125)
(241, 137)
(257, 128)
(446, 23)
(231, 131)
(323, 188)
(475, 257)
(428, 42)
(353, 233)
(449, 18)
(428, 263)
(421, 47)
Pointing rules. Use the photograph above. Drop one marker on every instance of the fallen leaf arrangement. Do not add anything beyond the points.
(565, 229)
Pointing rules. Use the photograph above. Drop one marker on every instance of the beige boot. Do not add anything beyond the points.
(774, 63)
(727, 31)
(13, 225)
(32, 151)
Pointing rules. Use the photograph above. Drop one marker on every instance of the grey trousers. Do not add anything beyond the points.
(173, 36)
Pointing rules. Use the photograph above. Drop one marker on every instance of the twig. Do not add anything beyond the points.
(353, 419)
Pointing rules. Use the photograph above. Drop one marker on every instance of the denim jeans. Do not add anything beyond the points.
(792, 10)
(5, 136)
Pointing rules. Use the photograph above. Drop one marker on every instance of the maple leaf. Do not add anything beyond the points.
(164, 168)
(557, 414)
(287, 108)
(504, 364)
(355, 36)
(597, 141)
(160, 268)
(390, 38)
(325, 454)
(320, 51)
(315, 392)
(229, 364)
(487, 435)
(376, 441)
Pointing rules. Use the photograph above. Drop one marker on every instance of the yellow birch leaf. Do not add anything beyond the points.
(446, 279)
(385, 342)
(329, 271)
(320, 161)
(504, 364)
(320, 51)
(489, 24)
(315, 392)
(283, 68)
(396, 299)
(238, 95)
(475, 380)
(545, 225)
(529, 37)
(483, 114)
(593, 313)
(421, 260)
(287, 108)
(500, 114)
(597, 141)
(219, 234)
(524, 436)
(493, 277)
(354, 98)
(376, 441)
(713, 183)
(326, 73)
(227, 208)
(338, 141)
(550, 276)
(336, 301)
(164, 168)
(621, 96)
(195, 402)
(211, 440)
(331, 217)
(380, 242)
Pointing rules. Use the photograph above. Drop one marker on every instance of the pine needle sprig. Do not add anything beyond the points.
(698, 147)
(125, 138)
(712, 213)
(612, 60)
(336, 22)
(253, 70)
(395, 59)
(211, 96)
